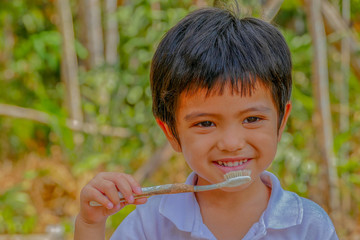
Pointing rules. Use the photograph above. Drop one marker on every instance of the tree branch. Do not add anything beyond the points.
(270, 9)
(69, 64)
(335, 23)
(322, 117)
(162, 155)
(111, 32)
(44, 118)
(92, 30)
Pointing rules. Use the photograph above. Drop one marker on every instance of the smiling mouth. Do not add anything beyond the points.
(232, 163)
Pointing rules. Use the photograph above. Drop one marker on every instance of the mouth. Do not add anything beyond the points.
(228, 165)
(232, 163)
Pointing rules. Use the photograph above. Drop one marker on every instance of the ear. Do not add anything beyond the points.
(284, 120)
(170, 137)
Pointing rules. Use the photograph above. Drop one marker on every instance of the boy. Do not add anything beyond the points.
(221, 94)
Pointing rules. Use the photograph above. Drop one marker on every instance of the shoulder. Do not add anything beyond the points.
(316, 222)
(314, 214)
(292, 205)
(299, 216)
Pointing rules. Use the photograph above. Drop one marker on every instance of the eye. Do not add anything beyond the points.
(252, 119)
(205, 124)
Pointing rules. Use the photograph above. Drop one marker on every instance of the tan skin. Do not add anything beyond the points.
(103, 188)
(226, 128)
(229, 128)
(216, 213)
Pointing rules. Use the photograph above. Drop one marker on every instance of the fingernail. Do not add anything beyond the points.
(118, 206)
(110, 206)
(138, 190)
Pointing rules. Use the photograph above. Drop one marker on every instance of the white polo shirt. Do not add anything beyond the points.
(177, 216)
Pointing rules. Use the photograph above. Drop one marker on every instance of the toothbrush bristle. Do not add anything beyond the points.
(235, 174)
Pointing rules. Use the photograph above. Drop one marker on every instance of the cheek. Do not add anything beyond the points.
(195, 148)
(266, 142)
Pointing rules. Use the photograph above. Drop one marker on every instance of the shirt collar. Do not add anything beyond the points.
(284, 209)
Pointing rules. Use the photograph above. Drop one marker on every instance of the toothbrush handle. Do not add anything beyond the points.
(156, 190)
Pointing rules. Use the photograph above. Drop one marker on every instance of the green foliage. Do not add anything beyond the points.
(119, 95)
(116, 219)
(16, 212)
(112, 95)
(130, 102)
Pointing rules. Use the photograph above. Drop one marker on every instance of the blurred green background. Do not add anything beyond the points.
(45, 160)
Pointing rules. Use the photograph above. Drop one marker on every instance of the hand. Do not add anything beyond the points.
(104, 188)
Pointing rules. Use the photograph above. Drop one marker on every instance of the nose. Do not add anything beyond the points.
(231, 140)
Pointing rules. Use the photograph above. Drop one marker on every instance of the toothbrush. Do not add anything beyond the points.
(232, 179)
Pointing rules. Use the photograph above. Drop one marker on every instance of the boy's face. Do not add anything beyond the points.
(228, 132)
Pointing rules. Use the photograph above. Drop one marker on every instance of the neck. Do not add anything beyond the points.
(223, 211)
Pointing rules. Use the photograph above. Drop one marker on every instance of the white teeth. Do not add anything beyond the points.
(232, 164)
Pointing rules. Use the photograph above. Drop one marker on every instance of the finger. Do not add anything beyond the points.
(120, 177)
(135, 186)
(124, 183)
(140, 201)
(125, 189)
(137, 201)
(114, 210)
(97, 196)
(110, 191)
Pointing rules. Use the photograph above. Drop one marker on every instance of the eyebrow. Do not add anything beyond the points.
(194, 115)
(255, 109)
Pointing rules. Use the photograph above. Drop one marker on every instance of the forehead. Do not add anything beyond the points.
(222, 98)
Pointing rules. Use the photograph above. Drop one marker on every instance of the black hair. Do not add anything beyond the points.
(211, 48)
